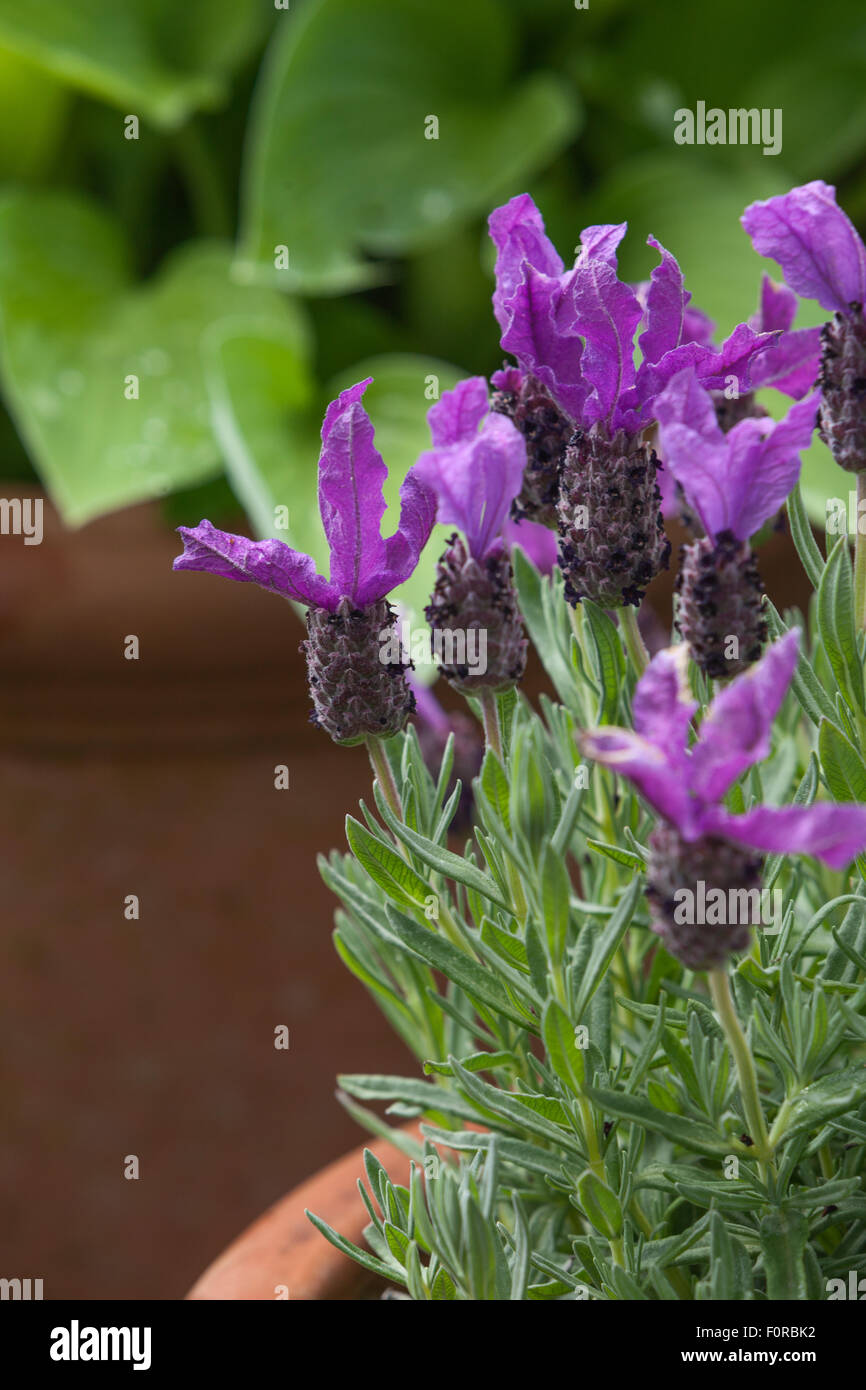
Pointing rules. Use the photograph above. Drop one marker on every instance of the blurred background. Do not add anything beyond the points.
(212, 218)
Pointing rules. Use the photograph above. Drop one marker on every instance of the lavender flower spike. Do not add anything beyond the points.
(476, 470)
(355, 694)
(823, 258)
(733, 481)
(698, 840)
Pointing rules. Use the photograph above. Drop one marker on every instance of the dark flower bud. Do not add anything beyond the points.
(842, 415)
(683, 883)
(720, 596)
(478, 633)
(546, 432)
(357, 690)
(611, 534)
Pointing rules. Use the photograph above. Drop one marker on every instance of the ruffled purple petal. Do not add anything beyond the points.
(694, 448)
(476, 480)
(777, 307)
(459, 413)
(833, 833)
(600, 242)
(517, 231)
(606, 314)
(713, 367)
(659, 781)
(698, 327)
(663, 708)
(764, 464)
(541, 335)
(666, 301)
(272, 564)
(791, 365)
(736, 731)
(403, 550)
(821, 254)
(351, 476)
(537, 541)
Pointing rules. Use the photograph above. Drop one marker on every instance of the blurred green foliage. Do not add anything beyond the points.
(283, 223)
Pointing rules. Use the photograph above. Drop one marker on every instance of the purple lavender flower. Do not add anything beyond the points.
(823, 258)
(475, 468)
(733, 482)
(355, 694)
(698, 839)
(571, 332)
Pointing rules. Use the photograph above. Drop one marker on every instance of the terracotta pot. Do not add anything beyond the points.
(282, 1250)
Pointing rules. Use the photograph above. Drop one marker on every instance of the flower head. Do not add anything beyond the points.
(364, 567)
(734, 480)
(686, 785)
(573, 330)
(476, 465)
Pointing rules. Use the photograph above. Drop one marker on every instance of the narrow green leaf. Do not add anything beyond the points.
(606, 946)
(783, 1237)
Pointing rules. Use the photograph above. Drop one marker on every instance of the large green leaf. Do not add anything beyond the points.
(155, 58)
(74, 329)
(338, 160)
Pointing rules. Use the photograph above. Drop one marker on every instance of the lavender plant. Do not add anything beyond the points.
(636, 991)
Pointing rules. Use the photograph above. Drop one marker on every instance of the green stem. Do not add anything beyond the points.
(860, 558)
(493, 739)
(720, 989)
(490, 715)
(634, 643)
(385, 777)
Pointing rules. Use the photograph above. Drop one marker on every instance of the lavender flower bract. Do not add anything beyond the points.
(355, 694)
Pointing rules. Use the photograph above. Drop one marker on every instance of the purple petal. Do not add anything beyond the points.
(834, 834)
(476, 480)
(777, 309)
(606, 314)
(666, 302)
(537, 541)
(508, 379)
(791, 365)
(541, 335)
(351, 475)
(459, 413)
(820, 252)
(658, 780)
(694, 448)
(403, 549)
(713, 366)
(662, 708)
(600, 242)
(272, 564)
(764, 464)
(517, 230)
(736, 731)
(698, 327)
